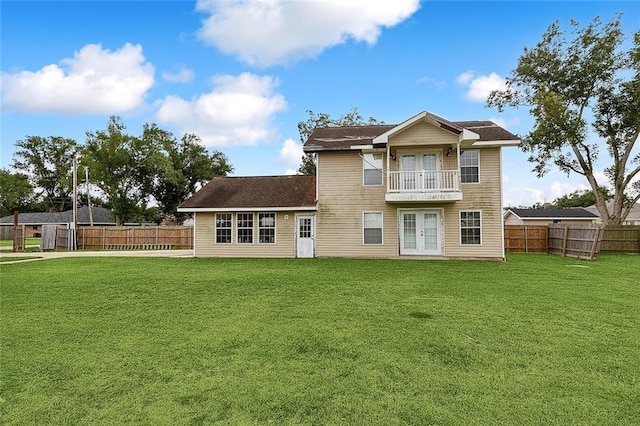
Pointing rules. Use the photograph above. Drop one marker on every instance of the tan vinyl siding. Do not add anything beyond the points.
(341, 200)
(423, 134)
(485, 197)
(205, 245)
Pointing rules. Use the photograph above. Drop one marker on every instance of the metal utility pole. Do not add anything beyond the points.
(86, 179)
(72, 243)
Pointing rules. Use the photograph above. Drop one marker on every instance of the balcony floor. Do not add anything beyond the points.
(422, 196)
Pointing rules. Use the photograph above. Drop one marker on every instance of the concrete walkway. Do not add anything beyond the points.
(40, 255)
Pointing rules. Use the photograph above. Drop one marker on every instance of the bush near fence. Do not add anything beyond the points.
(550, 238)
(131, 238)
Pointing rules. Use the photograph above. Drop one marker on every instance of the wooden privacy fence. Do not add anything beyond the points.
(579, 241)
(536, 238)
(525, 238)
(621, 239)
(131, 238)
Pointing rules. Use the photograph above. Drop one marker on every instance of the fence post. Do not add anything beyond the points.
(565, 237)
(595, 243)
(526, 239)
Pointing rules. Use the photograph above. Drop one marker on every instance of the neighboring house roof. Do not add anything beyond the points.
(101, 216)
(570, 213)
(634, 214)
(253, 193)
(350, 137)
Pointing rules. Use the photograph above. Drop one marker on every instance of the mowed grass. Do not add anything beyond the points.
(537, 340)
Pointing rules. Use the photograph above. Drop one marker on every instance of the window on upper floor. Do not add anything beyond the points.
(372, 169)
(470, 166)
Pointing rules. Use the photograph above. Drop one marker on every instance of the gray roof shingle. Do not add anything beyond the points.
(342, 138)
(569, 213)
(254, 192)
(101, 216)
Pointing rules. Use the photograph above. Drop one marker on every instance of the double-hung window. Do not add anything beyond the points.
(372, 169)
(266, 228)
(470, 166)
(372, 228)
(244, 225)
(470, 228)
(223, 228)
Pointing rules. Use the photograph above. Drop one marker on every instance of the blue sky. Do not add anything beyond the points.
(241, 75)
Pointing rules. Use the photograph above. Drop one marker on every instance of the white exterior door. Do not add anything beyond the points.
(421, 232)
(305, 230)
(420, 171)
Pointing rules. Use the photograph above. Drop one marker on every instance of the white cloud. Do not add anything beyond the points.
(465, 78)
(290, 155)
(506, 123)
(183, 75)
(544, 191)
(438, 84)
(238, 111)
(479, 87)
(95, 80)
(268, 32)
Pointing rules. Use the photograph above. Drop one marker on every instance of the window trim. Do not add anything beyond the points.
(477, 151)
(364, 213)
(462, 243)
(366, 162)
(275, 227)
(238, 228)
(217, 228)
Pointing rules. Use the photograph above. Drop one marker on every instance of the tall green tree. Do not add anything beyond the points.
(306, 127)
(124, 167)
(584, 93)
(48, 161)
(16, 193)
(189, 167)
(584, 198)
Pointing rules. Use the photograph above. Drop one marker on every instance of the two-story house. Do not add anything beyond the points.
(427, 187)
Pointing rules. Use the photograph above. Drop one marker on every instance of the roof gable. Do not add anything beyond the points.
(432, 119)
(254, 192)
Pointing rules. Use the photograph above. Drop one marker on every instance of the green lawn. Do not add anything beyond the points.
(537, 340)
(28, 242)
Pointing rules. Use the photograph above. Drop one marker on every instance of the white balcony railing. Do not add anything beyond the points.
(423, 181)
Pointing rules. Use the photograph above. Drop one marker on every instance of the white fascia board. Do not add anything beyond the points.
(468, 135)
(515, 142)
(245, 209)
(359, 147)
(504, 216)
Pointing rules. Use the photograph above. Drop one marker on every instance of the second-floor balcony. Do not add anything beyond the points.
(423, 185)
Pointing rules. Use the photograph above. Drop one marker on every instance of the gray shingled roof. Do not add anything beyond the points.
(101, 216)
(569, 213)
(342, 138)
(254, 192)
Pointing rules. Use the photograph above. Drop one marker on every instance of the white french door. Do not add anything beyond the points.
(419, 171)
(421, 232)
